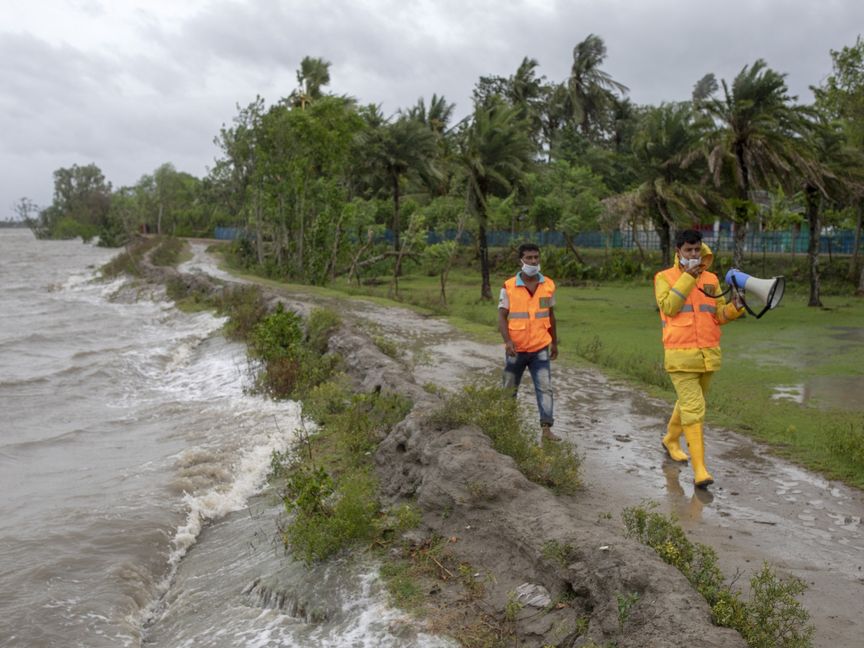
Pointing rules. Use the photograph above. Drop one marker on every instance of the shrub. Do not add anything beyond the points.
(167, 253)
(320, 325)
(245, 307)
(771, 618)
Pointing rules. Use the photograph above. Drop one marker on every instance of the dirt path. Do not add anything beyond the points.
(761, 508)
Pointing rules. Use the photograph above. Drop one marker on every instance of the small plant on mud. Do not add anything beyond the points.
(773, 616)
(512, 607)
(625, 606)
(563, 554)
(387, 347)
(495, 412)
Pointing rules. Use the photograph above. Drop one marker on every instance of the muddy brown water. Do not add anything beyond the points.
(761, 508)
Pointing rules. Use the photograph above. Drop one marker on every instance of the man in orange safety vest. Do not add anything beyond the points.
(526, 321)
(692, 310)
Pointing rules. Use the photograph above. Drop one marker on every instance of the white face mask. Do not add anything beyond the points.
(530, 270)
(687, 264)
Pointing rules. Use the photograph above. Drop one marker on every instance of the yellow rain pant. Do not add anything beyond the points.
(691, 387)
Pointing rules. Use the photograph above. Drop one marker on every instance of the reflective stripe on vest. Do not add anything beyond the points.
(528, 322)
(694, 326)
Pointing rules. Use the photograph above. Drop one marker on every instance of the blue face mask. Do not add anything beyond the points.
(530, 270)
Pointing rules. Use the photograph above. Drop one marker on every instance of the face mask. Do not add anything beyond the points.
(530, 270)
(687, 264)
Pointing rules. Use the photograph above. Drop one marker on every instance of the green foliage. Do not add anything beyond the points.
(337, 506)
(322, 322)
(625, 607)
(387, 346)
(278, 335)
(635, 364)
(772, 617)
(167, 253)
(494, 411)
(245, 307)
(325, 524)
(562, 554)
(129, 261)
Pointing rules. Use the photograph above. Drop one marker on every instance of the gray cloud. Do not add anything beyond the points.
(163, 97)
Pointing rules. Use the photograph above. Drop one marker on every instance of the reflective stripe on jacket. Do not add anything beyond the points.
(529, 321)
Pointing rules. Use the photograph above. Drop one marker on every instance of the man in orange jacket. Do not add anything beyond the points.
(691, 311)
(526, 321)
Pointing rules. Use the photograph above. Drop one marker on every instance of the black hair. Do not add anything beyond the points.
(687, 236)
(526, 247)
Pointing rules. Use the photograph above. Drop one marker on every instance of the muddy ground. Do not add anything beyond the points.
(761, 508)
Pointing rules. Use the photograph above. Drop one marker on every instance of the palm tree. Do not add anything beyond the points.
(436, 176)
(395, 149)
(757, 139)
(494, 151)
(314, 73)
(590, 89)
(664, 147)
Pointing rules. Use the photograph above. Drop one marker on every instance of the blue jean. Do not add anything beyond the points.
(540, 367)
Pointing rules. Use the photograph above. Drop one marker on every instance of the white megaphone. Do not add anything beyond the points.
(769, 291)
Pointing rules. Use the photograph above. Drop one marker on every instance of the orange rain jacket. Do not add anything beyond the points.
(528, 321)
(691, 319)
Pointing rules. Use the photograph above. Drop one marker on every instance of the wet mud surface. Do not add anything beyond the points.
(761, 508)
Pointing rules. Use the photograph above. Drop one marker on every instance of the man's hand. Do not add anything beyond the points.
(553, 351)
(694, 271)
(510, 348)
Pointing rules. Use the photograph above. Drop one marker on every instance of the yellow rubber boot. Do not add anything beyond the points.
(673, 433)
(693, 433)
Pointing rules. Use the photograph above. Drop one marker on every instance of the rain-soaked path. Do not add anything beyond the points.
(761, 508)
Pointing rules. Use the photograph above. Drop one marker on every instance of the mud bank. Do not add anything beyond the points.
(502, 534)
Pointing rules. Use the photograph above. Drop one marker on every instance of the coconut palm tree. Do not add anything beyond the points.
(591, 91)
(757, 139)
(314, 73)
(494, 152)
(394, 149)
(664, 147)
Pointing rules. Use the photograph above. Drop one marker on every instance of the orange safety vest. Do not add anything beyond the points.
(528, 321)
(695, 325)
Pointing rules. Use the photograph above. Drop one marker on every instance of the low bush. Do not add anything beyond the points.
(771, 618)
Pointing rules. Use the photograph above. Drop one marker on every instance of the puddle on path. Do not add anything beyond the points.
(826, 392)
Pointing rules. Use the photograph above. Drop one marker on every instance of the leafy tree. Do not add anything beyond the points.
(668, 188)
(841, 96)
(395, 149)
(494, 153)
(566, 199)
(82, 199)
(756, 141)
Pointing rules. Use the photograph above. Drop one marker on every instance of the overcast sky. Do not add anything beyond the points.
(131, 84)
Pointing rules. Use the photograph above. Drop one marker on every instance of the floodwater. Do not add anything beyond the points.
(133, 466)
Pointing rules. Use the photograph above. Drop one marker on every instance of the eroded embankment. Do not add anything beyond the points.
(502, 525)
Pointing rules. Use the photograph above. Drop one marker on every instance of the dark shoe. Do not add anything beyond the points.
(547, 434)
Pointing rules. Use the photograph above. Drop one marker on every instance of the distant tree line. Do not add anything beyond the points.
(326, 187)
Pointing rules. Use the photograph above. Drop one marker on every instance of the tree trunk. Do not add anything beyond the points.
(396, 223)
(159, 221)
(812, 199)
(742, 215)
(259, 234)
(486, 286)
(572, 246)
(856, 246)
(664, 231)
